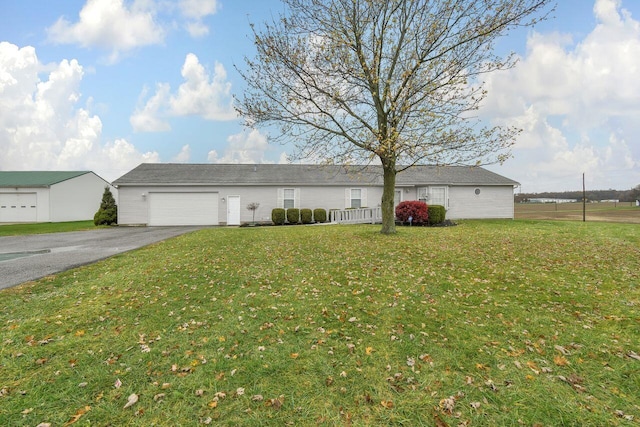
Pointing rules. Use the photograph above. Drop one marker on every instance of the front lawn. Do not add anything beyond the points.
(44, 227)
(487, 323)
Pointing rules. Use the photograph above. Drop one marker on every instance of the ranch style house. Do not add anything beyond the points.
(160, 194)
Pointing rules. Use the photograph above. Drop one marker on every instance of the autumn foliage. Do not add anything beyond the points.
(417, 210)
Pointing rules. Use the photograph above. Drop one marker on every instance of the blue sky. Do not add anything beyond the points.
(107, 84)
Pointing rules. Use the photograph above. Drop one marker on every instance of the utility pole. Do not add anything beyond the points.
(584, 201)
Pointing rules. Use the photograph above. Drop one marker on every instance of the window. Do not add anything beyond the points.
(289, 198)
(433, 195)
(356, 198)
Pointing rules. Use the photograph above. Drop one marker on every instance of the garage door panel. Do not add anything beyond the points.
(18, 207)
(183, 208)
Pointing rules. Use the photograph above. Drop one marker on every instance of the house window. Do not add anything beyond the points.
(289, 198)
(356, 198)
(433, 195)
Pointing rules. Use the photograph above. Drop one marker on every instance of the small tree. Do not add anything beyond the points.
(253, 207)
(108, 212)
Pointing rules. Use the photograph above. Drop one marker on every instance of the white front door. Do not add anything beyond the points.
(233, 210)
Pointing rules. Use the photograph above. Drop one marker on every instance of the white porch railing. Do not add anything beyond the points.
(357, 216)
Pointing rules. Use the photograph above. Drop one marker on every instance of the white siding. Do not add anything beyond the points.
(492, 202)
(77, 199)
(11, 195)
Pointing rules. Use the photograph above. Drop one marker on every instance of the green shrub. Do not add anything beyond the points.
(293, 215)
(108, 212)
(278, 216)
(320, 215)
(436, 214)
(306, 216)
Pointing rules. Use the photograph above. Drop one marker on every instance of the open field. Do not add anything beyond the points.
(608, 211)
(44, 227)
(486, 323)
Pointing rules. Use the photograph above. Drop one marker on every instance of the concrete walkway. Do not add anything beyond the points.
(31, 257)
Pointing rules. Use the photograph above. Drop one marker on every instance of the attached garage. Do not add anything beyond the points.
(189, 208)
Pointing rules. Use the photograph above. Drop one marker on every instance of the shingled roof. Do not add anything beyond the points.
(21, 179)
(296, 174)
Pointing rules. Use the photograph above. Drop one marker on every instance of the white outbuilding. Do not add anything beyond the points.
(49, 196)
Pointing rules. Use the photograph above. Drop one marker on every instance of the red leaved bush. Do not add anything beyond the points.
(418, 211)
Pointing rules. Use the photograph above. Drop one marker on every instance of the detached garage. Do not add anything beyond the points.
(49, 196)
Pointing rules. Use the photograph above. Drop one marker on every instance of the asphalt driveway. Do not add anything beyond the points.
(31, 257)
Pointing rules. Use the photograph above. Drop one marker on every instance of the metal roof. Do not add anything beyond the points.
(296, 174)
(36, 178)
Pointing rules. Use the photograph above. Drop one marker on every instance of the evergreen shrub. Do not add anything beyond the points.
(320, 215)
(293, 215)
(278, 216)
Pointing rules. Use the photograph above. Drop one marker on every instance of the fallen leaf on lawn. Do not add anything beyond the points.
(275, 403)
(213, 404)
(27, 411)
(475, 405)
(388, 404)
(158, 397)
(79, 333)
(199, 392)
(561, 349)
(560, 360)
(368, 351)
(79, 413)
(44, 425)
(83, 384)
(240, 391)
(41, 361)
(257, 398)
(633, 355)
(131, 400)
(118, 383)
(165, 386)
(294, 355)
(447, 405)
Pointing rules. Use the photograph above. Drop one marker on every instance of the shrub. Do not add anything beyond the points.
(436, 214)
(293, 215)
(108, 212)
(419, 211)
(278, 216)
(320, 215)
(306, 216)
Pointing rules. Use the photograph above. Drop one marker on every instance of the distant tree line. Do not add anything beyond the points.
(591, 196)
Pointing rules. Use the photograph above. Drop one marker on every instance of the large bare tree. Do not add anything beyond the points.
(394, 81)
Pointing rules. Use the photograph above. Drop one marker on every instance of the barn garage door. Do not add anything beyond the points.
(18, 207)
(183, 208)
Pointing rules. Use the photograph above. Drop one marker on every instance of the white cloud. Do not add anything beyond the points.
(577, 103)
(184, 155)
(41, 126)
(110, 25)
(195, 11)
(148, 118)
(244, 147)
(201, 94)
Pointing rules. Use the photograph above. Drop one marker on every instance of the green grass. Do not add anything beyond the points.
(44, 227)
(487, 323)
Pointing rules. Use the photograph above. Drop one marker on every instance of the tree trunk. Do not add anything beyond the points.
(388, 194)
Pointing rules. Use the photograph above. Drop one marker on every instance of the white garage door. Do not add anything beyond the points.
(183, 208)
(18, 207)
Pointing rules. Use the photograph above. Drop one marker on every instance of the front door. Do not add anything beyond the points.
(233, 210)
